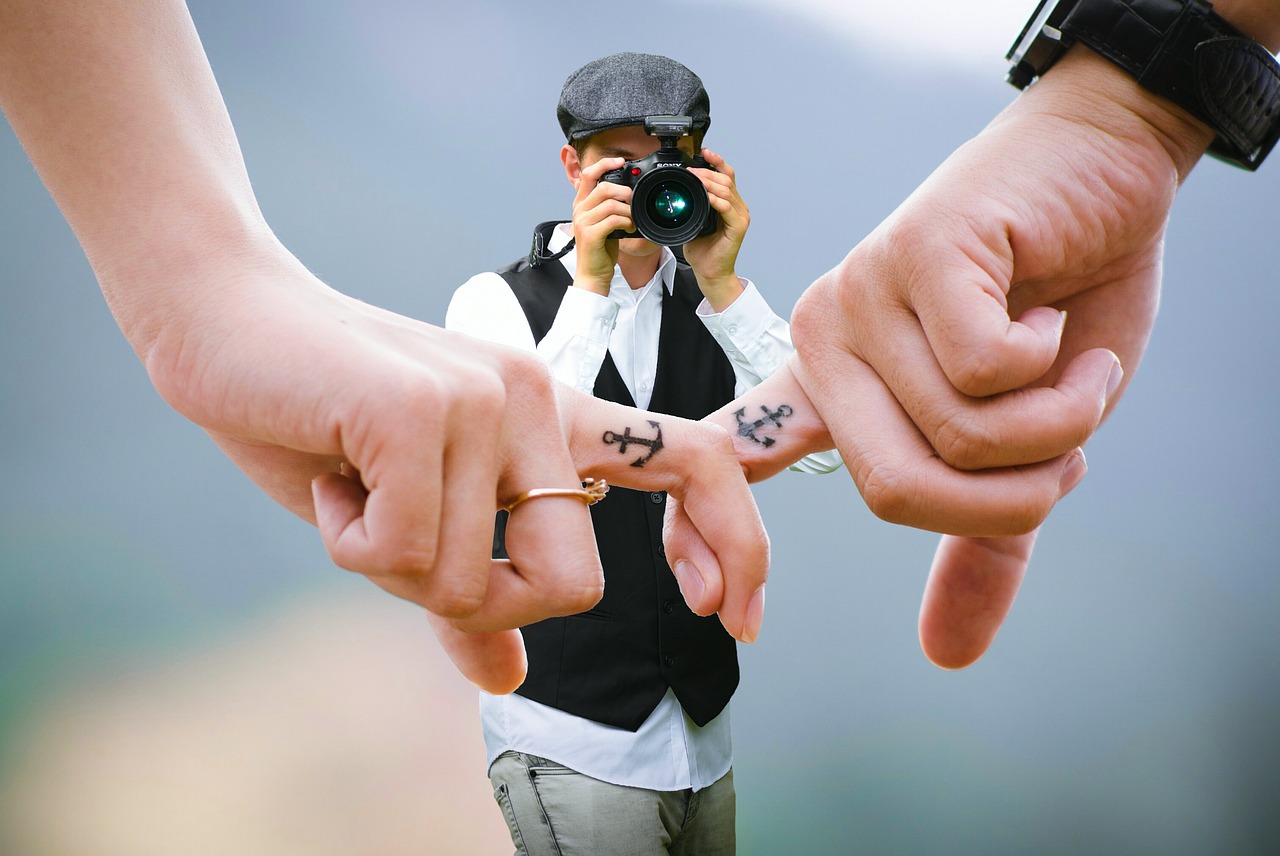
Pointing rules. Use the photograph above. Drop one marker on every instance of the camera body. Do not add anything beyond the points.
(669, 205)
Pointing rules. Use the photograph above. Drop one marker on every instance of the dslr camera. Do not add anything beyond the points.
(669, 205)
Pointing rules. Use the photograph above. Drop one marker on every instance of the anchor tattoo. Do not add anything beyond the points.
(774, 417)
(625, 439)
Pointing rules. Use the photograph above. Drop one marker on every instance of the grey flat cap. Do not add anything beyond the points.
(623, 88)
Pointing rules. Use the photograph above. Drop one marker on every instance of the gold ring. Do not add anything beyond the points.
(591, 492)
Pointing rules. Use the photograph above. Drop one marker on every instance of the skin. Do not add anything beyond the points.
(965, 350)
(959, 409)
(397, 439)
(600, 208)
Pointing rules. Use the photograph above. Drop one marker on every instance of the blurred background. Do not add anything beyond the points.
(182, 670)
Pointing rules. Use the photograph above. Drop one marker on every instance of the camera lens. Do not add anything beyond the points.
(669, 205)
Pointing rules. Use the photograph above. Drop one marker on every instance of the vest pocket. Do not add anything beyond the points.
(594, 614)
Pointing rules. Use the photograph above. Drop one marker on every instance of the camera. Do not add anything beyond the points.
(669, 205)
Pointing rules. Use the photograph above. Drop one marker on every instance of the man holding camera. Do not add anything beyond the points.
(618, 740)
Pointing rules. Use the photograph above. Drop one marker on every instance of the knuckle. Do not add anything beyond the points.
(888, 493)
(578, 593)
(487, 395)
(523, 371)
(963, 441)
(412, 562)
(450, 602)
(812, 315)
(423, 393)
(976, 372)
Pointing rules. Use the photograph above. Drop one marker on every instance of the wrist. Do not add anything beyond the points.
(164, 285)
(1087, 89)
(720, 291)
(1184, 51)
(593, 284)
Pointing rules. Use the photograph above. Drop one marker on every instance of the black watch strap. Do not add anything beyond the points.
(1184, 51)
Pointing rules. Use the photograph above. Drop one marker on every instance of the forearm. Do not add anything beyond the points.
(118, 109)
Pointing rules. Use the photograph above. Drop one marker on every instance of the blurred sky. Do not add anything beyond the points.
(183, 670)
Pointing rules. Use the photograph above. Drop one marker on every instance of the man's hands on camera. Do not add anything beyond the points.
(714, 257)
(599, 208)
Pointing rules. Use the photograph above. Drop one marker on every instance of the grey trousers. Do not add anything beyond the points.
(554, 811)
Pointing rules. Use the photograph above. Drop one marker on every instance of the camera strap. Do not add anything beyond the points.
(538, 253)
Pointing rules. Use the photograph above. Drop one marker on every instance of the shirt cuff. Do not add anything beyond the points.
(742, 323)
(587, 314)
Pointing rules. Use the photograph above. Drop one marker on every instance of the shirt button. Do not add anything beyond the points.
(656, 497)
(668, 661)
(733, 328)
(668, 607)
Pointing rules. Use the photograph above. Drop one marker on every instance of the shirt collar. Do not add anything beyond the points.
(563, 232)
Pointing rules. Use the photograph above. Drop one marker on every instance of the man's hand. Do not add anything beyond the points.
(599, 209)
(939, 353)
(714, 257)
(971, 586)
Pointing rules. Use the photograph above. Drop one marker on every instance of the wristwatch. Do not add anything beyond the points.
(1180, 49)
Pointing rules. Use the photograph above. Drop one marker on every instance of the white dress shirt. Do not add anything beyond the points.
(668, 752)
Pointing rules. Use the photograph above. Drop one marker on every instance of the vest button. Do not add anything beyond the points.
(668, 661)
(668, 607)
(656, 497)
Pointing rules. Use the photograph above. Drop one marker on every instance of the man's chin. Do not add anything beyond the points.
(637, 247)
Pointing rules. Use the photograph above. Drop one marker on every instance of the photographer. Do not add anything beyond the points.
(620, 733)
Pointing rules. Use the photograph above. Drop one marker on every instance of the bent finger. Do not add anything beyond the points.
(550, 541)
(901, 478)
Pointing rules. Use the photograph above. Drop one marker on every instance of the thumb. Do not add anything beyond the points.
(692, 560)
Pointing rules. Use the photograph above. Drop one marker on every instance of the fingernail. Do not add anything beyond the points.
(690, 581)
(1113, 379)
(754, 618)
(1072, 473)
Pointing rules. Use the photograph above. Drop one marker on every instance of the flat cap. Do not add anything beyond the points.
(624, 88)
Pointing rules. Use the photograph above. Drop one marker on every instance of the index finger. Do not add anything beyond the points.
(590, 176)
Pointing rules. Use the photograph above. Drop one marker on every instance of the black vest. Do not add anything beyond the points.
(613, 663)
